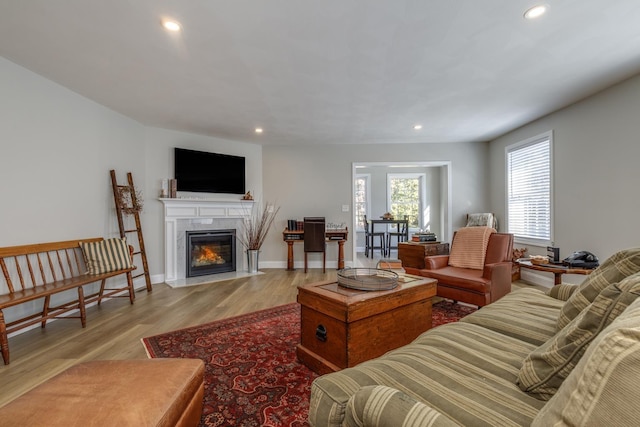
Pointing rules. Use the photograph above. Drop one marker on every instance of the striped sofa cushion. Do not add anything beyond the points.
(386, 406)
(106, 255)
(544, 370)
(563, 291)
(603, 387)
(614, 269)
(463, 371)
(526, 314)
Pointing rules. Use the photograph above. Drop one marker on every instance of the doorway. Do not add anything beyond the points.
(372, 194)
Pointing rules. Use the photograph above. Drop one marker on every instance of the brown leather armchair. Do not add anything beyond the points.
(477, 287)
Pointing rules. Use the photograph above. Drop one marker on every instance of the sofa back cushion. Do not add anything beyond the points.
(469, 247)
(618, 266)
(602, 390)
(545, 369)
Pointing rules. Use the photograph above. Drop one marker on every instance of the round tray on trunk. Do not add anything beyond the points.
(367, 279)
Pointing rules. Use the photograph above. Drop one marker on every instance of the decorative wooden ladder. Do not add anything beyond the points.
(120, 210)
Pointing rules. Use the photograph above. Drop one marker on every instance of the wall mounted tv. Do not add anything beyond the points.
(204, 172)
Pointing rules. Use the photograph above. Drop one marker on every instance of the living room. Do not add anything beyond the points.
(58, 148)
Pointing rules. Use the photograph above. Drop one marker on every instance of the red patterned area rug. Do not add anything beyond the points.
(252, 376)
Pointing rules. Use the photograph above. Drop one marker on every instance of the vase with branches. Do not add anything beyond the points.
(257, 225)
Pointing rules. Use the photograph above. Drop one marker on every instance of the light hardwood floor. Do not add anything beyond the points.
(114, 329)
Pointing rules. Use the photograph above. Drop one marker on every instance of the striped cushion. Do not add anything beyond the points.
(105, 256)
(469, 247)
(563, 291)
(464, 371)
(614, 269)
(544, 370)
(602, 390)
(526, 314)
(386, 406)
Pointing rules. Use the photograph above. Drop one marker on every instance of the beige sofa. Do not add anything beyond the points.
(567, 357)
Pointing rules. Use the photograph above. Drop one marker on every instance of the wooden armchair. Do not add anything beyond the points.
(477, 286)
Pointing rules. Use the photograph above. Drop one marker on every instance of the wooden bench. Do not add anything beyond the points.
(37, 271)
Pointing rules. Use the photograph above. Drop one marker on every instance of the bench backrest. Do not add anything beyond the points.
(27, 266)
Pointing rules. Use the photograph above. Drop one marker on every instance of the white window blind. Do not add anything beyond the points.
(529, 189)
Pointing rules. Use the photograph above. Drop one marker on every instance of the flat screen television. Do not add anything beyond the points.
(204, 172)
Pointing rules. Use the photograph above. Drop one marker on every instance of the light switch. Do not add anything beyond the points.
(345, 208)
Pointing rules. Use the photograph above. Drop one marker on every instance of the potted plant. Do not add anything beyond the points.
(254, 232)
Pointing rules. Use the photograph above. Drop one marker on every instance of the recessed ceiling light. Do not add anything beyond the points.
(536, 11)
(259, 130)
(171, 25)
(417, 127)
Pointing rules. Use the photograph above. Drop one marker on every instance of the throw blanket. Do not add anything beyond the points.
(469, 247)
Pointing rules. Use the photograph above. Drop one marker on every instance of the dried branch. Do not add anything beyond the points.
(256, 226)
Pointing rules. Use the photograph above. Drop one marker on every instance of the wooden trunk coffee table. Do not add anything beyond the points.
(342, 327)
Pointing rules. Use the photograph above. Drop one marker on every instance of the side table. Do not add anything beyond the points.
(557, 270)
(412, 253)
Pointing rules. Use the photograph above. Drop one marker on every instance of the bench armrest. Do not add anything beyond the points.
(385, 406)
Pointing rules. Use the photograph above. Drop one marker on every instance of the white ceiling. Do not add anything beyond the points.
(327, 72)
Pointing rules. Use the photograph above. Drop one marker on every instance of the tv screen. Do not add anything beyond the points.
(203, 172)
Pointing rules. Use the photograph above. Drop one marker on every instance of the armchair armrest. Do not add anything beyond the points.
(499, 274)
(385, 406)
(497, 270)
(434, 262)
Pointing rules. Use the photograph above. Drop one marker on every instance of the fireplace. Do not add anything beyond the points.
(210, 252)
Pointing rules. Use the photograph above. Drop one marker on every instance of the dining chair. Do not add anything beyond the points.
(369, 237)
(400, 234)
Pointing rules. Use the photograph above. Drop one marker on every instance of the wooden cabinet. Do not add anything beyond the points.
(412, 253)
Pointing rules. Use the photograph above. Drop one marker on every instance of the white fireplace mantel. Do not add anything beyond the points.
(205, 211)
(206, 208)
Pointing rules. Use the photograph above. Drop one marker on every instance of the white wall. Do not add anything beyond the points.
(596, 154)
(317, 181)
(57, 150)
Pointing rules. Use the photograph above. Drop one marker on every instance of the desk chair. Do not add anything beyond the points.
(315, 239)
(369, 237)
(400, 234)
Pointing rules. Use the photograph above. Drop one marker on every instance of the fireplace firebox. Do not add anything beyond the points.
(210, 252)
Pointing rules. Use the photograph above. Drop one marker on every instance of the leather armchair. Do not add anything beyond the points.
(477, 287)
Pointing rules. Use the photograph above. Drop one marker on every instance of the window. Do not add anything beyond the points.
(529, 180)
(362, 202)
(406, 196)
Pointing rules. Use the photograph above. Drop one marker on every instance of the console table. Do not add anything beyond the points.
(293, 236)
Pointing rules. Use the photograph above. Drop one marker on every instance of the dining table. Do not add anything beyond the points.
(398, 223)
